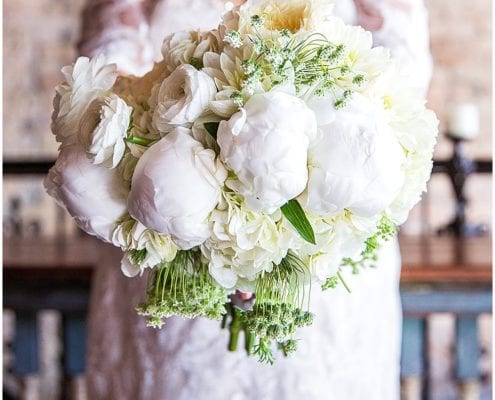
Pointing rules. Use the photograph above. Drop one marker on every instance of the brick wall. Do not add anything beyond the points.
(461, 42)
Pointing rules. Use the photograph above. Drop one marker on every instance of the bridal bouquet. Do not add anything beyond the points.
(263, 156)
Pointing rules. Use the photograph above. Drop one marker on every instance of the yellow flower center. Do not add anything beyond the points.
(285, 16)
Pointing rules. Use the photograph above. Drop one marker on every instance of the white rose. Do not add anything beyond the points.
(103, 128)
(93, 195)
(266, 145)
(355, 163)
(176, 184)
(84, 81)
(132, 235)
(182, 98)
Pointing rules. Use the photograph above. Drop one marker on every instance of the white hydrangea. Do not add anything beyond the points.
(175, 186)
(103, 128)
(86, 80)
(337, 237)
(243, 242)
(265, 144)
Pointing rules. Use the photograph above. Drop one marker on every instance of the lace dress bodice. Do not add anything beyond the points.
(352, 350)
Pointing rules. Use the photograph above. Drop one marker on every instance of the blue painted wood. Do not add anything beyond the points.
(455, 301)
(467, 348)
(74, 327)
(25, 344)
(413, 347)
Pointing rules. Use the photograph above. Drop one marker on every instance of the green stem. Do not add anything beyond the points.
(139, 140)
(343, 282)
(249, 338)
(235, 328)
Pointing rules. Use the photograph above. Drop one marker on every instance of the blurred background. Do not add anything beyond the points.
(446, 243)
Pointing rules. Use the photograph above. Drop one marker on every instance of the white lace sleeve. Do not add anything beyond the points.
(402, 26)
(119, 29)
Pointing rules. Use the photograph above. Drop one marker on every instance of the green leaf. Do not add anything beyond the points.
(212, 128)
(296, 216)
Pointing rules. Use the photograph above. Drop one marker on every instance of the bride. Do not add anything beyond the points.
(351, 352)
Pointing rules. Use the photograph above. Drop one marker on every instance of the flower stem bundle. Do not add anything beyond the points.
(182, 287)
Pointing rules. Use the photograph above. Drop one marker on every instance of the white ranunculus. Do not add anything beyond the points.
(176, 184)
(84, 81)
(95, 196)
(132, 235)
(186, 47)
(355, 163)
(182, 98)
(265, 144)
(103, 128)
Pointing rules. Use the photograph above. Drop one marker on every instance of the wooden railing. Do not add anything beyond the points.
(444, 274)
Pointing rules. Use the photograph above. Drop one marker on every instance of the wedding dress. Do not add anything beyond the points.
(352, 350)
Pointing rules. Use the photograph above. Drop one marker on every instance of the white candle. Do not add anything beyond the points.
(463, 121)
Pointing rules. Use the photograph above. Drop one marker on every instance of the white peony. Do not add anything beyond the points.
(84, 81)
(415, 128)
(243, 242)
(103, 128)
(95, 196)
(355, 163)
(182, 97)
(265, 144)
(176, 184)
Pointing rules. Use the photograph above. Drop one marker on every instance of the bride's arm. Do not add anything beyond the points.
(402, 26)
(119, 29)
